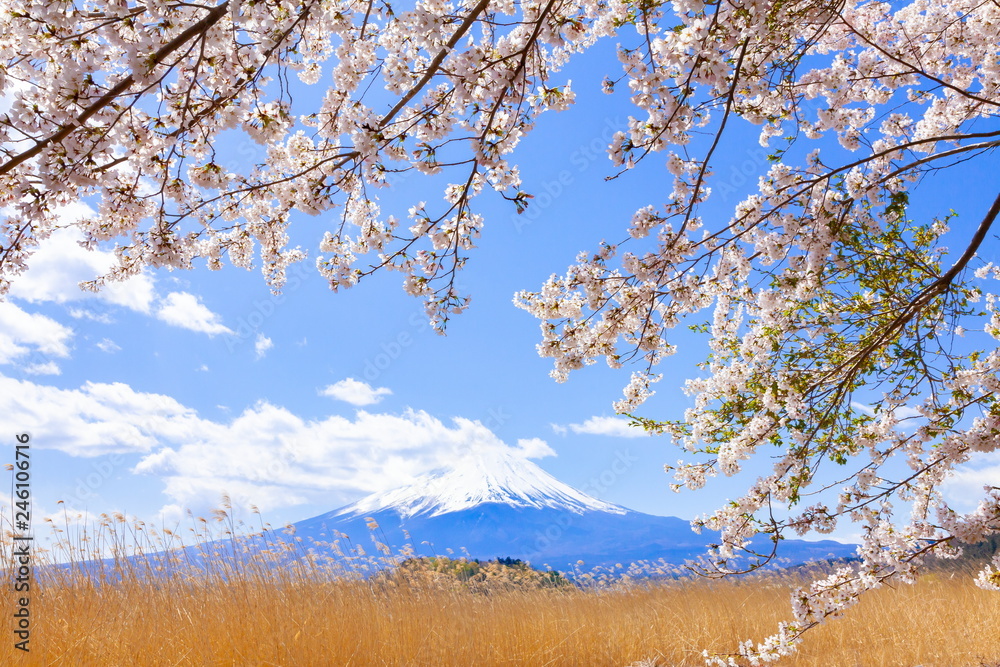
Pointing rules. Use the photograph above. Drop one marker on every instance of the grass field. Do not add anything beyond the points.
(276, 616)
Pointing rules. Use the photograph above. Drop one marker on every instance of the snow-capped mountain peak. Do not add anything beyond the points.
(491, 476)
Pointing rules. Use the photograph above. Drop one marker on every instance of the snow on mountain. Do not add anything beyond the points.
(495, 503)
(491, 476)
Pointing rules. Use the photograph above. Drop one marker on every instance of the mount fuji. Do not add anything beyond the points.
(498, 504)
(493, 504)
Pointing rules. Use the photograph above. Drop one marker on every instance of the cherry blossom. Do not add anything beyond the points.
(828, 302)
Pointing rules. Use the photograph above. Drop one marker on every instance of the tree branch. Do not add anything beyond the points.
(201, 26)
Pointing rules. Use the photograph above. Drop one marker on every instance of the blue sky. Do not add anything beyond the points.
(163, 393)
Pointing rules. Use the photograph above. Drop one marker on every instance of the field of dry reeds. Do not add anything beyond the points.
(269, 613)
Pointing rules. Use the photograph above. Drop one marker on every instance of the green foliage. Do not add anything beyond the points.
(477, 575)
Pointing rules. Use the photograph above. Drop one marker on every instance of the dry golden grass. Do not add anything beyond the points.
(940, 621)
(273, 615)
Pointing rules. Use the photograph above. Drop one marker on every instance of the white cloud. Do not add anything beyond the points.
(534, 448)
(47, 368)
(272, 458)
(83, 313)
(964, 489)
(183, 309)
(262, 345)
(867, 409)
(355, 392)
(94, 419)
(908, 418)
(611, 426)
(60, 264)
(108, 345)
(901, 412)
(266, 455)
(22, 333)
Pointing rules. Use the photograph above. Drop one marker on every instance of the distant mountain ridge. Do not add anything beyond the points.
(486, 506)
(497, 504)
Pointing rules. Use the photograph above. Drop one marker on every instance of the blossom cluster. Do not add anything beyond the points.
(826, 308)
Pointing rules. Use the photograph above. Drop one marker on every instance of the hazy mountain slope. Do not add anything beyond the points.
(504, 505)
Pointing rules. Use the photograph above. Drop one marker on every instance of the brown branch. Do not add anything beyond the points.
(855, 362)
(200, 27)
(432, 68)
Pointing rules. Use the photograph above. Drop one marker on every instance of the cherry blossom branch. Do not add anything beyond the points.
(155, 59)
